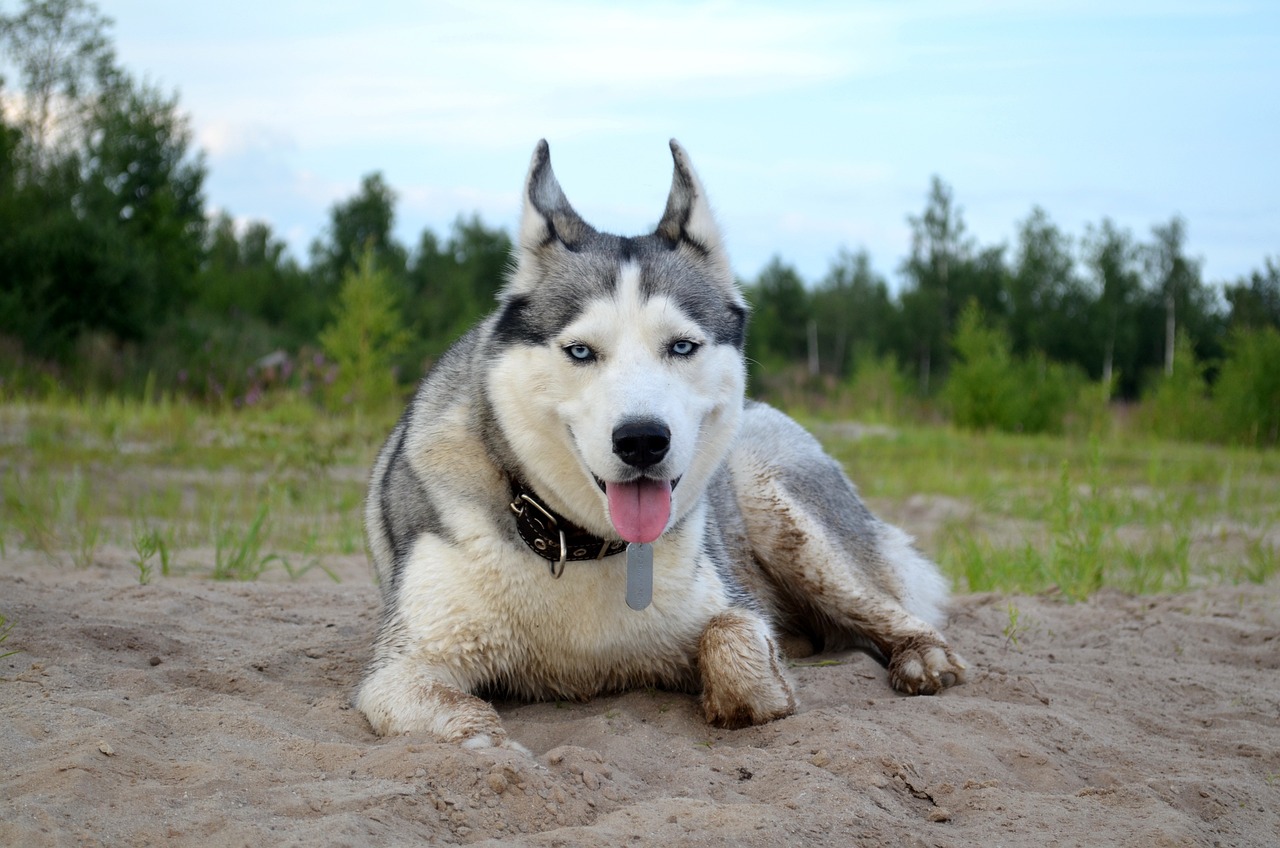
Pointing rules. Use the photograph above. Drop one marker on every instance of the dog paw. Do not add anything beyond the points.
(742, 678)
(487, 741)
(925, 665)
(399, 703)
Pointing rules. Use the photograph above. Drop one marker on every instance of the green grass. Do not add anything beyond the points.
(6, 626)
(1041, 513)
(172, 488)
(164, 487)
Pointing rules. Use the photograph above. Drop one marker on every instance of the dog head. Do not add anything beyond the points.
(619, 373)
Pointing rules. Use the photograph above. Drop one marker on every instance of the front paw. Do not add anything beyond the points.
(743, 683)
(399, 702)
(925, 665)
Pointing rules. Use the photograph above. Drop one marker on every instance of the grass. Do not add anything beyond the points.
(1034, 513)
(5, 627)
(161, 484)
(163, 488)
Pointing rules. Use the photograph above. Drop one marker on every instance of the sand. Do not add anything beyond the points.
(189, 712)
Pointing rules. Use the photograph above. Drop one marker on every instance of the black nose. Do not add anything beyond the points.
(643, 443)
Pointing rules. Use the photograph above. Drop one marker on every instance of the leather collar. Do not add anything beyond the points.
(554, 537)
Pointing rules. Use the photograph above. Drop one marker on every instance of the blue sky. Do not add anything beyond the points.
(814, 126)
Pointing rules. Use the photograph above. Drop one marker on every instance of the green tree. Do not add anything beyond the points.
(1048, 306)
(65, 61)
(1175, 278)
(360, 223)
(939, 251)
(251, 274)
(989, 387)
(853, 313)
(451, 285)
(365, 337)
(1177, 406)
(1255, 302)
(1111, 255)
(106, 203)
(142, 178)
(981, 389)
(780, 316)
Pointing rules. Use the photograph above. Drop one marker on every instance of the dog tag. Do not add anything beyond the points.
(639, 575)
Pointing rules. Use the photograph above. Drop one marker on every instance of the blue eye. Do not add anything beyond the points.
(580, 353)
(683, 347)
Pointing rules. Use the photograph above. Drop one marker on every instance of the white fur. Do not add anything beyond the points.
(541, 397)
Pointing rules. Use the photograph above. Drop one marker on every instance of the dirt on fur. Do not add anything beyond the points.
(189, 712)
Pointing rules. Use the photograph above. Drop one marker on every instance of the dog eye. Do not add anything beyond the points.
(683, 347)
(580, 353)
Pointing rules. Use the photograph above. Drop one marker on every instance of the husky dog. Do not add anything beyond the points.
(579, 500)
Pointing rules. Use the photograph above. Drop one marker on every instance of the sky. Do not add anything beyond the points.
(814, 126)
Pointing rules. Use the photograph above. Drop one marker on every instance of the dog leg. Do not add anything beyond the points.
(851, 606)
(403, 697)
(848, 572)
(742, 678)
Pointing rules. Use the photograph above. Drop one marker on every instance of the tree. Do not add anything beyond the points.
(451, 285)
(938, 250)
(1045, 297)
(142, 177)
(65, 61)
(990, 387)
(780, 315)
(982, 389)
(1112, 256)
(108, 228)
(1173, 275)
(1247, 394)
(852, 312)
(364, 222)
(1255, 303)
(250, 273)
(365, 336)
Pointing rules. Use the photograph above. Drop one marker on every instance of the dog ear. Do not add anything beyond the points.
(548, 218)
(687, 219)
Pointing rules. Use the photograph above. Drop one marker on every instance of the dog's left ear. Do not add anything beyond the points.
(687, 220)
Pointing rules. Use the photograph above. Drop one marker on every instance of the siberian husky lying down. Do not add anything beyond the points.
(579, 500)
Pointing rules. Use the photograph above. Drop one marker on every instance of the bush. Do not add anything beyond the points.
(1178, 406)
(991, 389)
(879, 391)
(1247, 394)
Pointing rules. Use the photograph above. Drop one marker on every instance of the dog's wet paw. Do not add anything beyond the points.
(925, 665)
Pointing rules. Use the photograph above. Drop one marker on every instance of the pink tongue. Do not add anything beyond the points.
(639, 510)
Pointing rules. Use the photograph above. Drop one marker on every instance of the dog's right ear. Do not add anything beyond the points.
(547, 221)
(547, 218)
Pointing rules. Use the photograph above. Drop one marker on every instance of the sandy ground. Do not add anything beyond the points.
(187, 712)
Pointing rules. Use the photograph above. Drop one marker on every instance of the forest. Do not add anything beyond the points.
(116, 279)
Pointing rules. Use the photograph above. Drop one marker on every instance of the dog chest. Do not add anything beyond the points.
(496, 616)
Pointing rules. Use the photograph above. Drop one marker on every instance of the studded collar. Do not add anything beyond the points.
(554, 537)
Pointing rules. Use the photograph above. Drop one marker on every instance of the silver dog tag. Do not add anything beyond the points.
(639, 575)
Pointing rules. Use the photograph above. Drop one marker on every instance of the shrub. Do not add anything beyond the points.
(991, 389)
(1247, 394)
(1178, 406)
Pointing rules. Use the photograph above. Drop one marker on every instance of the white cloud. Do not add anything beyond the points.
(470, 74)
(224, 138)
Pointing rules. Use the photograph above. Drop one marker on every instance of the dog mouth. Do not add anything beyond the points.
(639, 509)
